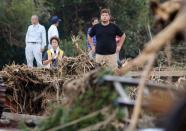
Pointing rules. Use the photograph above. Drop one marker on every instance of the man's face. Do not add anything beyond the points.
(34, 20)
(105, 17)
(95, 22)
(54, 44)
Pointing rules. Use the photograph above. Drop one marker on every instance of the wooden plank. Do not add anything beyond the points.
(159, 73)
(22, 117)
(135, 81)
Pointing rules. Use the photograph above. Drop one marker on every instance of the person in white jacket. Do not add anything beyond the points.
(53, 31)
(35, 42)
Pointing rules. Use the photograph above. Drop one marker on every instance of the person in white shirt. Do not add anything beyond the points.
(53, 31)
(35, 42)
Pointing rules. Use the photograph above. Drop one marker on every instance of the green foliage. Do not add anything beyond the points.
(69, 48)
(75, 14)
(23, 126)
(94, 99)
(52, 121)
(121, 113)
(14, 20)
(9, 54)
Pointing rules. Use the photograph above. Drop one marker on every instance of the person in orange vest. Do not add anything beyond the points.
(54, 55)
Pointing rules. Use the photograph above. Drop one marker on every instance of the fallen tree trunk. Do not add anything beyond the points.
(22, 117)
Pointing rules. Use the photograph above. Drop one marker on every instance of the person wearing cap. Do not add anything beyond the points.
(35, 42)
(54, 55)
(53, 31)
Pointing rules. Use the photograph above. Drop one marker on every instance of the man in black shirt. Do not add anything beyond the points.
(106, 47)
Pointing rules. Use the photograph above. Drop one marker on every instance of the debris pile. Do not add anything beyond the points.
(30, 89)
(77, 65)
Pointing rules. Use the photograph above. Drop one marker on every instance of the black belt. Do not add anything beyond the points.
(34, 42)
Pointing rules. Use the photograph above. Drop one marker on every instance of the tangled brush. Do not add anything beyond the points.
(30, 89)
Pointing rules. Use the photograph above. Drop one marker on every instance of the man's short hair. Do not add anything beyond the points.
(54, 38)
(105, 11)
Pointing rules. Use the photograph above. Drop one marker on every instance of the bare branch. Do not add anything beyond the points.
(138, 104)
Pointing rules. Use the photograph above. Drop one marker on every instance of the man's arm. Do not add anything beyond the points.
(90, 40)
(87, 41)
(120, 43)
(43, 39)
(27, 35)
